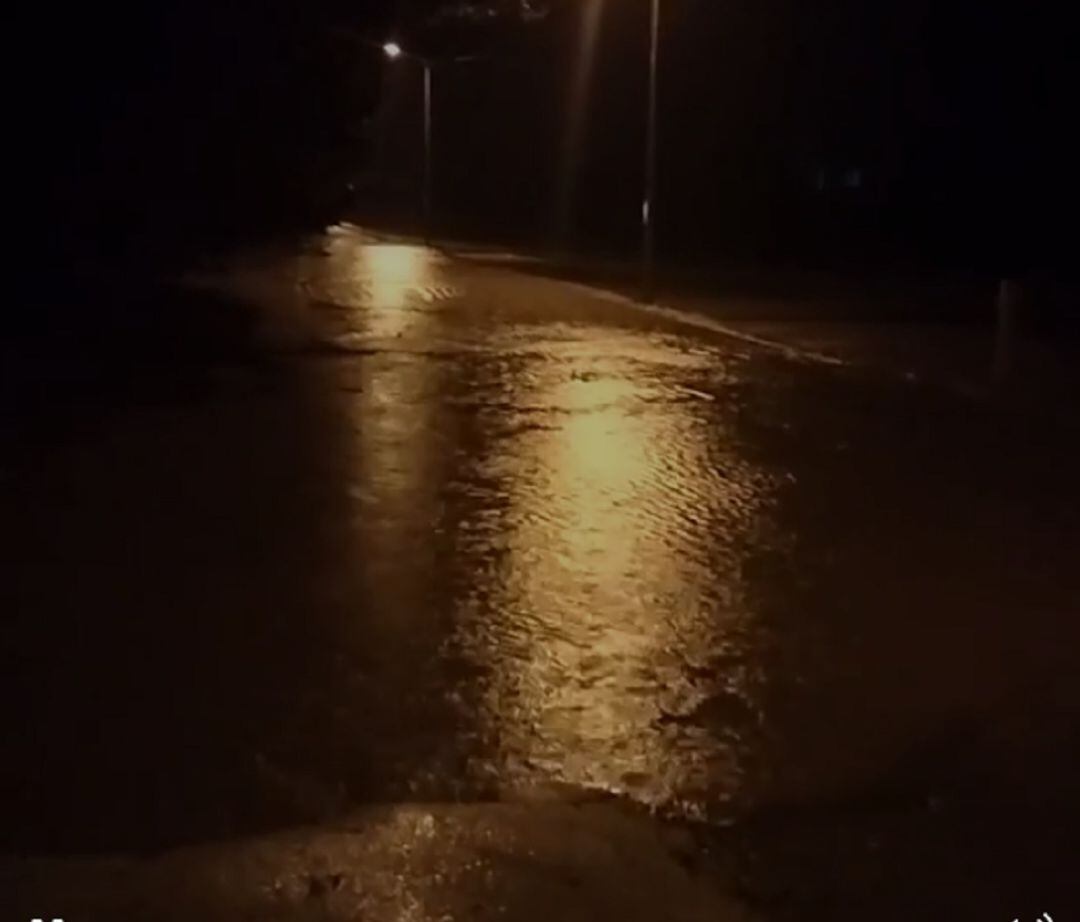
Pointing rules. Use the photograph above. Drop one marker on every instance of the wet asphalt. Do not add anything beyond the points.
(441, 533)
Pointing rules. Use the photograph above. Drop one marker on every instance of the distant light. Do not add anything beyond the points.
(392, 49)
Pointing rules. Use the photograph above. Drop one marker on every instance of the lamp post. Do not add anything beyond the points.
(394, 51)
(648, 241)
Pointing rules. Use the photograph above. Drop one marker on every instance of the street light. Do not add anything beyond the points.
(648, 243)
(394, 51)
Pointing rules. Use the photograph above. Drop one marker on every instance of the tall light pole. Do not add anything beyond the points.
(648, 241)
(394, 51)
(427, 151)
(648, 201)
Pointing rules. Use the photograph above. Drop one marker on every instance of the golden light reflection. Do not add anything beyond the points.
(393, 270)
(395, 403)
(377, 287)
(604, 591)
(393, 273)
(375, 290)
(597, 514)
(600, 460)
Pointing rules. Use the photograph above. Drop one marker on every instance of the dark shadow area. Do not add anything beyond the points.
(200, 642)
(81, 347)
(924, 592)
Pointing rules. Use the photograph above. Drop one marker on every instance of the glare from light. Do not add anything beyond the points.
(599, 578)
(392, 274)
(573, 140)
(392, 50)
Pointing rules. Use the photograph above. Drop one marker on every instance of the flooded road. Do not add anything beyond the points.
(456, 534)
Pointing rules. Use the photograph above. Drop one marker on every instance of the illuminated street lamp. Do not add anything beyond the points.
(393, 51)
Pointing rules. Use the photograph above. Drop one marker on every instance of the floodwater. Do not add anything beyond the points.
(448, 533)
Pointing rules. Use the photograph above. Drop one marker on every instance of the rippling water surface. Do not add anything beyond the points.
(464, 534)
(582, 489)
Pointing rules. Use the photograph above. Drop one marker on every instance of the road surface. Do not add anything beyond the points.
(457, 543)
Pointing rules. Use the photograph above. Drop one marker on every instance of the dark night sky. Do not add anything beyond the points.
(957, 116)
(225, 114)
